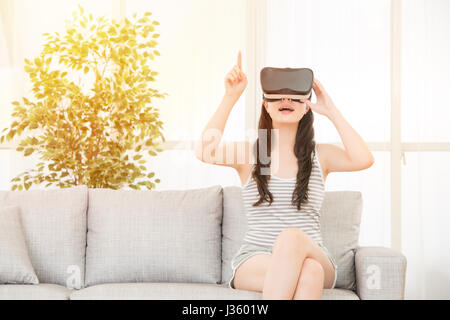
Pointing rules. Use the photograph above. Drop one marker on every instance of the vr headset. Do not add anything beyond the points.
(293, 83)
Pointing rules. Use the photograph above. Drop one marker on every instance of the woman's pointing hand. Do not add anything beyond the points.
(236, 80)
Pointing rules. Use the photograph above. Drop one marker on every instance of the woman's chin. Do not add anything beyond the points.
(287, 119)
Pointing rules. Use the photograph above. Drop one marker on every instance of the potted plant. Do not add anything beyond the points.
(92, 114)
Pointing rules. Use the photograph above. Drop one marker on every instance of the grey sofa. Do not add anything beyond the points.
(175, 244)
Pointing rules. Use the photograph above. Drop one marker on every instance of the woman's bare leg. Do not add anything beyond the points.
(288, 253)
(311, 281)
(251, 273)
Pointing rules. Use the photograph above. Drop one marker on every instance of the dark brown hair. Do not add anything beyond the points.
(303, 150)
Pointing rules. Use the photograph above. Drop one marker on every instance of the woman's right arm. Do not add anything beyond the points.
(208, 149)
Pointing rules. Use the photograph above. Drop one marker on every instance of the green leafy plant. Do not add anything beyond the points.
(92, 115)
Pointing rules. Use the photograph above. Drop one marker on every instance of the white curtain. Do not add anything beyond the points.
(425, 114)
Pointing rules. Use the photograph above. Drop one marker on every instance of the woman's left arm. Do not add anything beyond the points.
(356, 155)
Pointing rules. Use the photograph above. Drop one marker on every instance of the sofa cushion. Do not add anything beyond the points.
(54, 224)
(339, 294)
(183, 291)
(234, 227)
(15, 263)
(160, 291)
(154, 236)
(340, 220)
(42, 291)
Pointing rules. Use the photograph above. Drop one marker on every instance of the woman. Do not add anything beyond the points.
(282, 254)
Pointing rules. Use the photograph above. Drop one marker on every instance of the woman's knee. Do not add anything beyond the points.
(312, 272)
(291, 241)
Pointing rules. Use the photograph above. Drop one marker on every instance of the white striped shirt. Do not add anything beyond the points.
(266, 222)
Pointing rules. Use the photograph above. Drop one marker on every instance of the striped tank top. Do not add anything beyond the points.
(266, 222)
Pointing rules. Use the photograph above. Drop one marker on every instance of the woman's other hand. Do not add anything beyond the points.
(324, 105)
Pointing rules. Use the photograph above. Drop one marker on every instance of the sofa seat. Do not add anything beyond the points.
(42, 291)
(182, 291)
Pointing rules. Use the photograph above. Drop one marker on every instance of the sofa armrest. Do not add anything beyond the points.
(380, 273)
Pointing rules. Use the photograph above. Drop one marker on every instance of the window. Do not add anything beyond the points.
(426, 143)
(426, 71)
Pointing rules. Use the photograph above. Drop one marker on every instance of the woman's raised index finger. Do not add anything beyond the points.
(240, 60)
